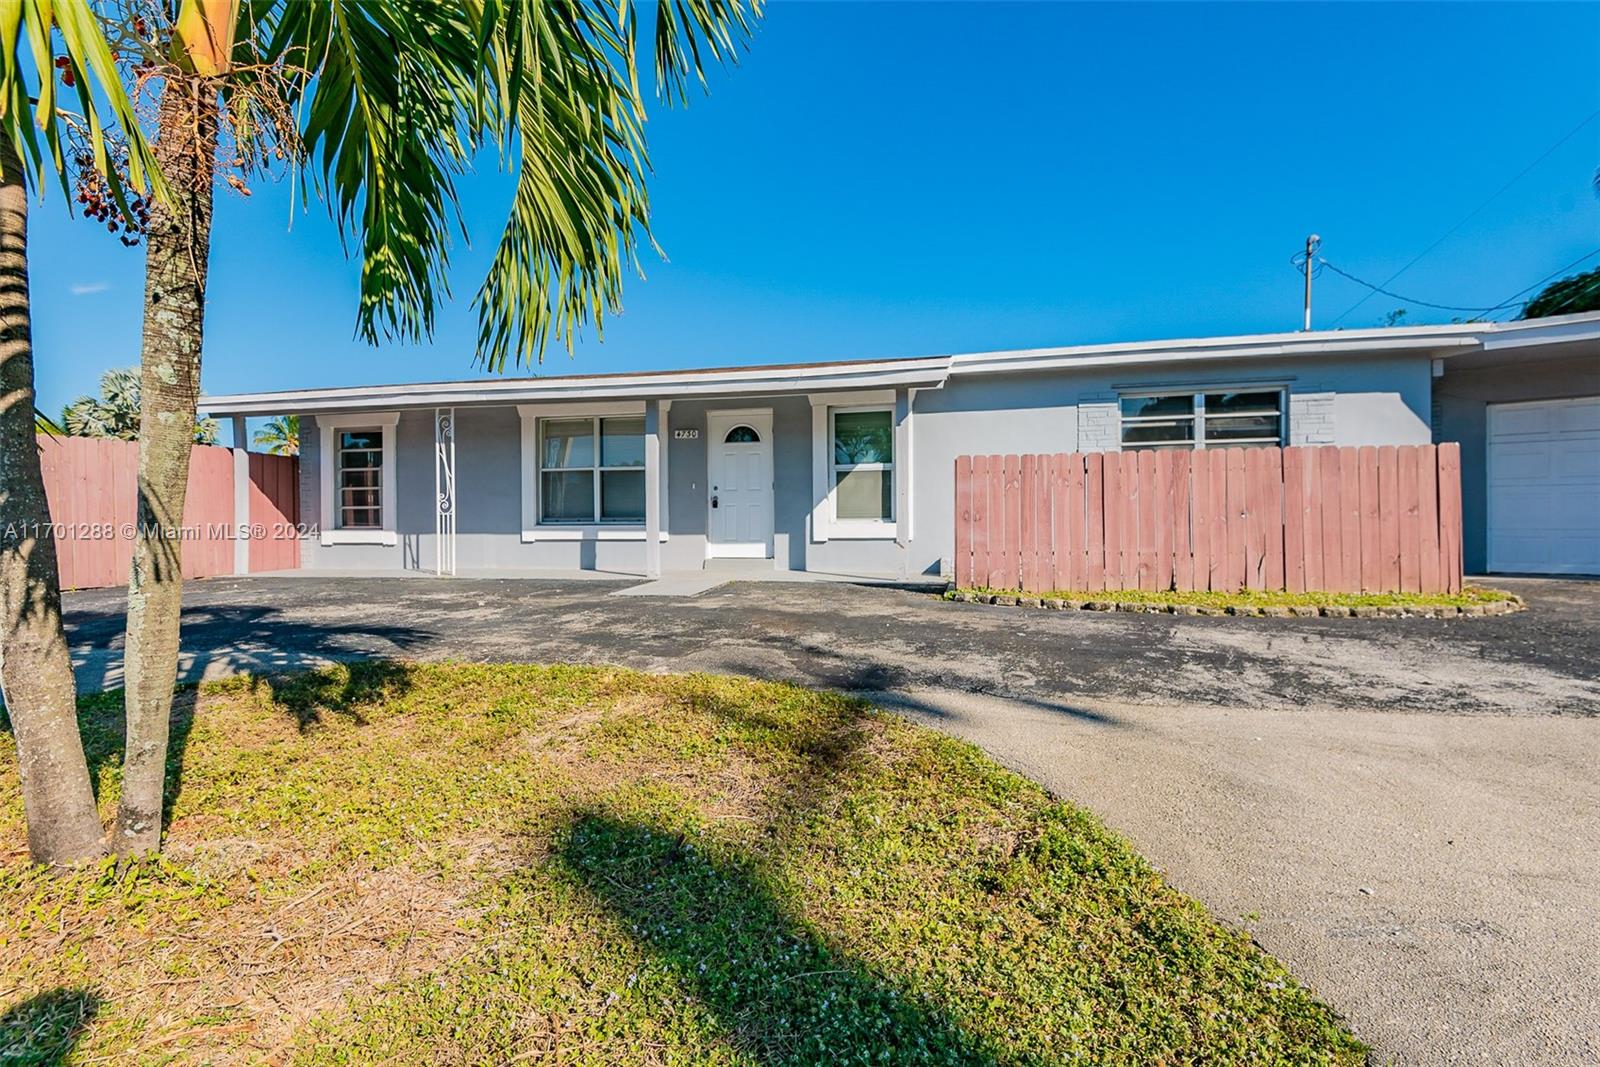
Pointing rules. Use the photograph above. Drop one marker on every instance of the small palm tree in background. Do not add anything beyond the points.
(280, 436)
(115, 412)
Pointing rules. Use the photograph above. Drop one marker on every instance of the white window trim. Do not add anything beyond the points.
(329, 426)
(824, 525)
(1198, 393)
(533, 529)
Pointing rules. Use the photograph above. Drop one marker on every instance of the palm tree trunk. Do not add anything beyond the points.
(178, 245)
(35, 668)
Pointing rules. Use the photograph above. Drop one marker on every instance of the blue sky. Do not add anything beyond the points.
(911, 178)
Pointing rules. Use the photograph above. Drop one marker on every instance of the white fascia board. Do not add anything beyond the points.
(1202, 352)
(752, 382)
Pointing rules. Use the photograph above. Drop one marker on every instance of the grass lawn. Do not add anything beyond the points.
(467, 864)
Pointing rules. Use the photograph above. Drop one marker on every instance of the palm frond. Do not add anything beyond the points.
(39, 123)
(391, 89)
(567, 84)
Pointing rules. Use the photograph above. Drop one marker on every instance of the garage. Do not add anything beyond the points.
(1544, 486)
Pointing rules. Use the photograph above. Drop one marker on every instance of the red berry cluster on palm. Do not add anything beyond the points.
(94, 194)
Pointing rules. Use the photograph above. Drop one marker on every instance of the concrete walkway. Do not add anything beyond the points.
(1406, 811)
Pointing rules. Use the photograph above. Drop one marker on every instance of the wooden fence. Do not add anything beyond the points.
(1346, 520)
(92, 486)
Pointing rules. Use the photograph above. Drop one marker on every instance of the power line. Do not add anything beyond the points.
(1471, 215)
(1397, 296)
(1562, 270)
(1502, 305)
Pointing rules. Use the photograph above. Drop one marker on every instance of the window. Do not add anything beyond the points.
(356, 461)
(1203, 420)
(360, 484)
(591, 470)
(742, 435)
(863, 465)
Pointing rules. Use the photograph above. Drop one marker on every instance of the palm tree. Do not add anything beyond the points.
(397, 99)
(115, 412)
(280, 436)
(35, 669)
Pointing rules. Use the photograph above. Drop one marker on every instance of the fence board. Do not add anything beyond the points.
(1178, 509)
(1095, 524)
(1029, 529)
(1129, 566)
(1389, 517)
(1272, 465)
(1350, 518)
(1112, 500)
(1294, 520)
(963, 521)
(1450, 515)
(1149, 505)
(1428, 518)
(1238, 518)
(1221, 578)
(997, 523)
(1371, 569)
(1318, 518)
(1333, 576)
(1200, 519)
(1074, 491)
(1410, 535)
(1255, 532)
(1013, 504)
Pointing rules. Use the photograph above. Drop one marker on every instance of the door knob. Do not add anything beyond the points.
(713, 501)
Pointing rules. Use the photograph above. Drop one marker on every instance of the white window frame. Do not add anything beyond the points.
(825, 523)
(1198, 415)
(330, 427)
(534, 528)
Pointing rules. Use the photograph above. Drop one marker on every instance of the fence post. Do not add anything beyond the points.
(241, 497)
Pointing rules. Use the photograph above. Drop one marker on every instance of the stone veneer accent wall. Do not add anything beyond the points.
(1311, 418)
(1099, 423)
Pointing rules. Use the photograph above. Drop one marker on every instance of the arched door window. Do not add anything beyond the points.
(742, 435)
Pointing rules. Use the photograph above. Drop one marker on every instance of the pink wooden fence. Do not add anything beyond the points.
(1346, 520)
(92, 487)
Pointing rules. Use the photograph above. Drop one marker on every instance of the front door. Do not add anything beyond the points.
(739, 478)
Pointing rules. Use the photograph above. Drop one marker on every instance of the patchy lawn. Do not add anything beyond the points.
(468, 864)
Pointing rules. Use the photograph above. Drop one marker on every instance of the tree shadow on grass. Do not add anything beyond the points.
(42, 1030)
(779, 990)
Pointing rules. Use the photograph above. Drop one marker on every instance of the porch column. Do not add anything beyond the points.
(241, 497)
(652, 489)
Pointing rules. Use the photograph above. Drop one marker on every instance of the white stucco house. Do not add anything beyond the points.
(847, 467)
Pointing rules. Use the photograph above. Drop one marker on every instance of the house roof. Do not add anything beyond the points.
(1478, 340)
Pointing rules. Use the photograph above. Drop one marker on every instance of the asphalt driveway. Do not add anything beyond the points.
(1407, 811)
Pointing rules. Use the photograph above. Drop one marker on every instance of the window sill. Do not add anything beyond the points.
(862, 531)
(359, 537)
(586, 533)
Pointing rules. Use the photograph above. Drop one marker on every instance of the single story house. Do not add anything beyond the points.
(847, 467)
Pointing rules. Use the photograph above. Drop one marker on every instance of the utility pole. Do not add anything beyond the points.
(1312, 243)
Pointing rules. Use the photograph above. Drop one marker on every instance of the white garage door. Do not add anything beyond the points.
(1544, 486)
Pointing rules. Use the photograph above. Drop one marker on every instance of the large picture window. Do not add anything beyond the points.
(1226, 419)
(591, 470)
(863, 464)
(360, 479)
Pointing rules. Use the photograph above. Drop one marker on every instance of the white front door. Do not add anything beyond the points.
(1544, 486)
(739, 481)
